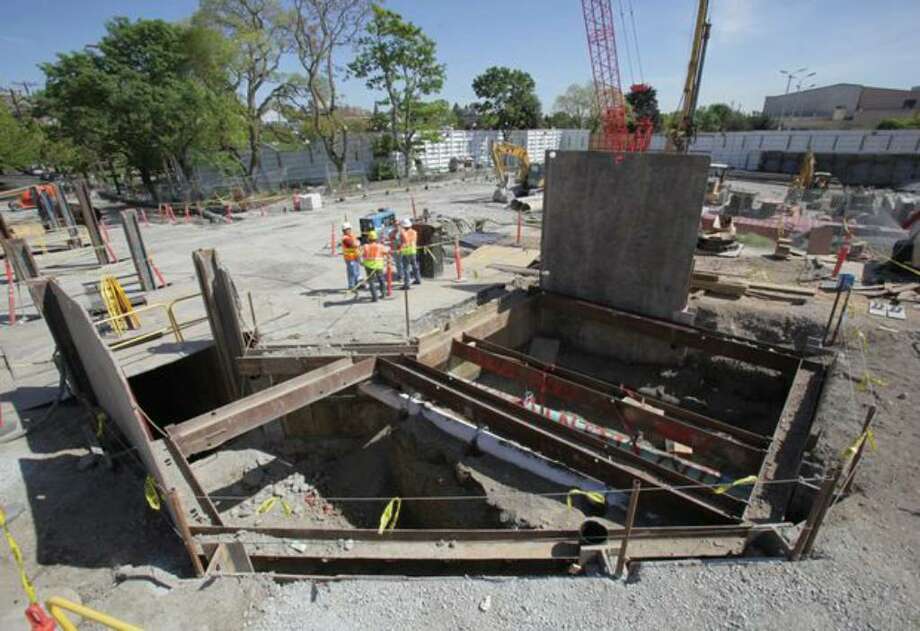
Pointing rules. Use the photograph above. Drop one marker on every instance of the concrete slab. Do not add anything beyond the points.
(621, 230)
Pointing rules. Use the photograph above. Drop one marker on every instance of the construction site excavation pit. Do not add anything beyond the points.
(511, 441)
(337, 464)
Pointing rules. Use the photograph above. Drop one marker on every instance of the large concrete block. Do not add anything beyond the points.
(621, 230)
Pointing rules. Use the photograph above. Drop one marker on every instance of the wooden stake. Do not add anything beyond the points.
(630, 519)
(184, 530)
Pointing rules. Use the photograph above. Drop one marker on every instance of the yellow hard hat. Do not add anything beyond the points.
(372, 235)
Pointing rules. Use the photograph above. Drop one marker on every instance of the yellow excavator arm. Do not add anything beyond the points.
(502, 150)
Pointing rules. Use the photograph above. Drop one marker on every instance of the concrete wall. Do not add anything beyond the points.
(742, 150)
(621, 230)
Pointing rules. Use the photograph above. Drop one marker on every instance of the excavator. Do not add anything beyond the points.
(809, 179)
(513, 184)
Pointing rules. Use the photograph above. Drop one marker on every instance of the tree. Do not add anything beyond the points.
(257, 32)
(19, 141)
(397, 58)
(508, 100)
(912, 122)
(561, 120)
(643, 100)
(578, 104)
(137, 95)
(320, 28)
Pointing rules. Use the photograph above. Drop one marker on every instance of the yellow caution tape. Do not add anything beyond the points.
(722, 488)
(268, 504)
(862, 340)
(17, 556)
(593, 496)
(150, 492)
(866, 436)
(390, 515)
(100, 424)
(868, 380)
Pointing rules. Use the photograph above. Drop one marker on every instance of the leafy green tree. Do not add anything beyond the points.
(396, 57)
(578, 107)
(19, 141)
(508, 100)
(137, 95)
(561, 120)
(257, 33)
(912, 122)
(643, 100)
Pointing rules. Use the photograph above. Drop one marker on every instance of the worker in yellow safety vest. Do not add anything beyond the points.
(374, 257)
(351, 252)
(408, 253)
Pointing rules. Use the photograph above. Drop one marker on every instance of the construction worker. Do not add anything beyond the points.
(408, 253)
(351, 252)
(374, 256)
(392, 241)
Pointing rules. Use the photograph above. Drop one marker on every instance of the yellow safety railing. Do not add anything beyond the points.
(57, 606)
(175, 327)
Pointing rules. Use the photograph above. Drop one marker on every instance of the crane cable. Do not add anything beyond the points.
(632, 18)
(625, 32)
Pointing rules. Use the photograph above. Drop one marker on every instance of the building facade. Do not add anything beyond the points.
(841, 106)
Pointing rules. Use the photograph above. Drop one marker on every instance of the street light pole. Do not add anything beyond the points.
(790, 75)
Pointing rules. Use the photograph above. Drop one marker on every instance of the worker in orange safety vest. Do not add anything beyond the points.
(408, 253)
(374, 257)
(351, 252)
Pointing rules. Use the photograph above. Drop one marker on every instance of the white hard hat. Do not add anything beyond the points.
(406, 222)
(346, 226)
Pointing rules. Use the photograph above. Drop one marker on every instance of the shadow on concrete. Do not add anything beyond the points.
(97, 517)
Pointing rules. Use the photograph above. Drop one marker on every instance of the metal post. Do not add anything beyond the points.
(138, 250)
(182, 524)
(630, 520)
(806, 538)
(406, 303)
(857, 457)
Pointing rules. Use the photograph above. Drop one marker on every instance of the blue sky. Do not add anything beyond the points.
(852, 41)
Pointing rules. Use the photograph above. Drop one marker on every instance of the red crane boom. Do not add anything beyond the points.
(602, 47)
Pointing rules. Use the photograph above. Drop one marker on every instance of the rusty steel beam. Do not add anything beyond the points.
(719, 450)
(218, 426)
(584, 453)
(285, 365)
(662, 475)
(688, 416)
(678, 334)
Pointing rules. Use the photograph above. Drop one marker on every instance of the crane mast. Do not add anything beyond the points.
(602, 47)
(680, 136)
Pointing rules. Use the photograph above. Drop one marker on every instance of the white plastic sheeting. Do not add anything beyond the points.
(311, 164)
(741, 150)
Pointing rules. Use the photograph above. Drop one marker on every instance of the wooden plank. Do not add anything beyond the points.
(784, 289)
(214, 428)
